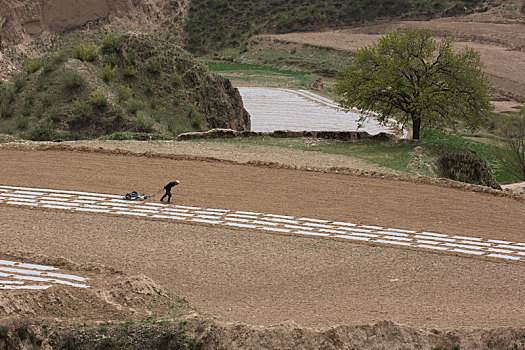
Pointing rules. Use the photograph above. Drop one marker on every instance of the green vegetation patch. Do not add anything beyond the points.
(404, 157)
(259, 75)
(289, 56)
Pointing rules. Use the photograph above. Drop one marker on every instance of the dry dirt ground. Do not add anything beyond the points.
(499, 35)
(267, 279)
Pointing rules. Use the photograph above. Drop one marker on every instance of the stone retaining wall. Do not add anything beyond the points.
(334, 135)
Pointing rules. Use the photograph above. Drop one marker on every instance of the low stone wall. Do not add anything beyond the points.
(333, 135)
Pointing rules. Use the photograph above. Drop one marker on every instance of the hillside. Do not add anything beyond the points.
(215, 24)
(131, 82)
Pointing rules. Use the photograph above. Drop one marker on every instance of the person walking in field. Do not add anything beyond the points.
(168, 188)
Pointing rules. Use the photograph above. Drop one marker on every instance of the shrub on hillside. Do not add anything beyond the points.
(121, 136)
(466, 167)
(176, 80)
(112, 59)
(38, 110)
(46, 99)
(22, 122)
(154, 65)
(52, 62)
(82, 109)
(98, 98)
(129, 71)
(73, 80)
(135, 105)
(87, 53)
(108, 72)
(123, 93)
(18, 82)
(44, 132)
(195, 116)
(33, 65)
(143, 124)
(112, 44)
(7, 97)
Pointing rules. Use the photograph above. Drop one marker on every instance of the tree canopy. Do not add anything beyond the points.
(414, 78)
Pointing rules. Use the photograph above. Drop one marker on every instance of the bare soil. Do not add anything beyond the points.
(266, 279)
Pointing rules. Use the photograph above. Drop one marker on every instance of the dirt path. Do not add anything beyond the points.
(265, 279)
(236, 152)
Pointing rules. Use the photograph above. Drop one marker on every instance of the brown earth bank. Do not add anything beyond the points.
(199, 333)
(25, 20)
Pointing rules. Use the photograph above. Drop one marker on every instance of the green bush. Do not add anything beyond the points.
(98, 98)
(58, 57)
(87, 53)
(176, 80)
(38, 110)
(466, 167)
(7, 97)
(52, 63)
(46, 99)
(154, 66)
(73, 80)
(135, 105)
(44, 132)
(112, 59)
(21, 122)
(33, 65)
(523, 6)
(18, 82)
(143, 124)
(129, 71)
(149, 86)
(82, 109)
(112, 44)
(6, 110)
(195, 116)
(108, 72)
(123, 93)
(121, 136)
(27, 105)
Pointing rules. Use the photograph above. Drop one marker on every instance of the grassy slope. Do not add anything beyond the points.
(144, 84)
(403, 157)
(258, 75)
(215, 24)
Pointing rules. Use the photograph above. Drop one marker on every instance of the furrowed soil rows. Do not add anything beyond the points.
(264, 278)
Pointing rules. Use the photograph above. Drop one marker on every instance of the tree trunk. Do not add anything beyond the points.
(416, 126)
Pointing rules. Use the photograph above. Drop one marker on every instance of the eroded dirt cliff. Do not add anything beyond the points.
(23, 20)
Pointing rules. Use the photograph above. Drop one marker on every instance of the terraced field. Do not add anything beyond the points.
(262, 245)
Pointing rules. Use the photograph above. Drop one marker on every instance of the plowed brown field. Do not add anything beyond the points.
(245, 276)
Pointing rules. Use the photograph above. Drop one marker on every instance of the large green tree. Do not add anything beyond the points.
(414, 78)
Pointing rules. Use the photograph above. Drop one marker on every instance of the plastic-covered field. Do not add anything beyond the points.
(297, 110)
(16, 275)
(275, 223)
